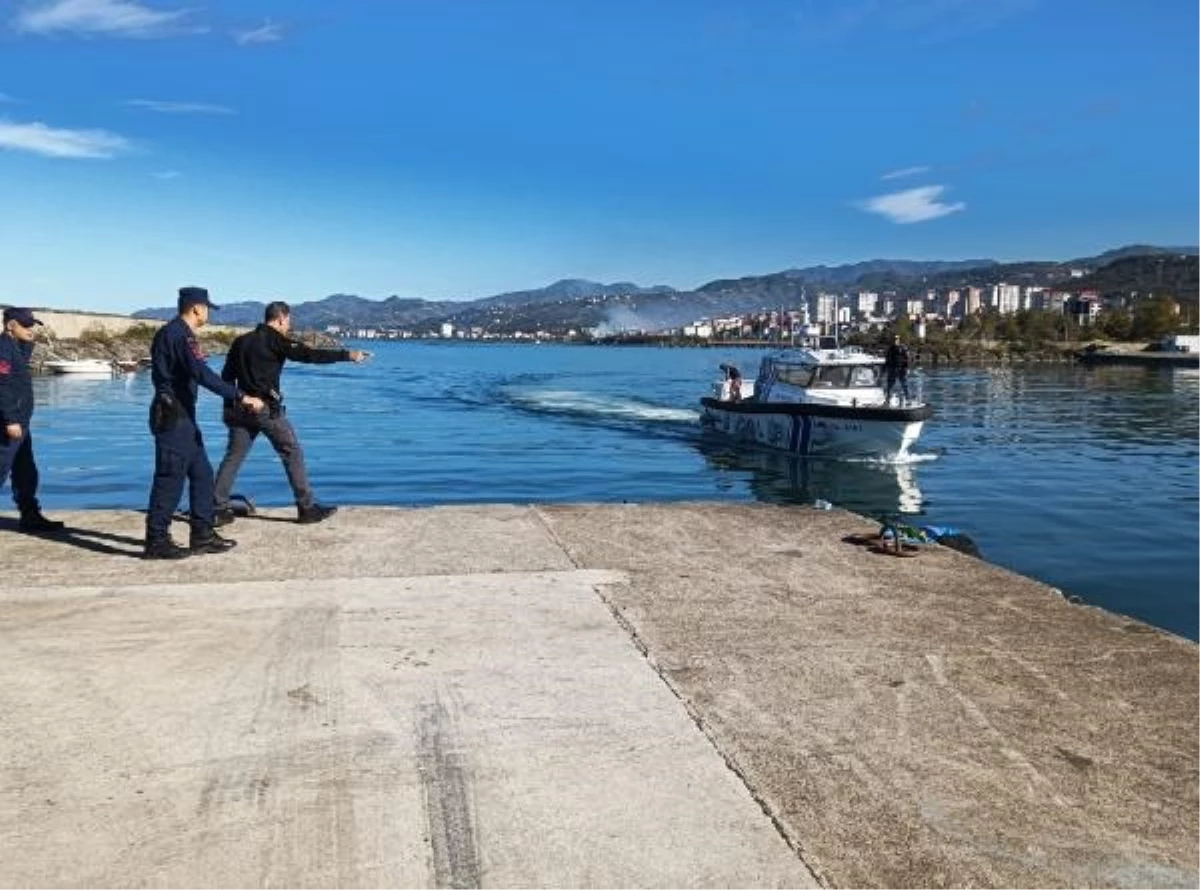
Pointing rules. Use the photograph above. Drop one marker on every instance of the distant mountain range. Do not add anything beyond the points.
(580, 304)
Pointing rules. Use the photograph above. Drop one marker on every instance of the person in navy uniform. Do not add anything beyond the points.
(254, 363)
(177, 367)
(16, 410)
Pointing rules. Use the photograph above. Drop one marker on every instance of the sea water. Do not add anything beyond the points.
(1084, 478)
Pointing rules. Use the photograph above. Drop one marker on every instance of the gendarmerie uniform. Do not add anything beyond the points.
(178, 368)
(16, 407)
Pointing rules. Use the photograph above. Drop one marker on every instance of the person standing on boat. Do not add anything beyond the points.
(16, 410)
(177, 368)
(895, 363)
(255, 363)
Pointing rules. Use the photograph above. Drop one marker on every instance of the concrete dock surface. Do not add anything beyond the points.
(688, 695)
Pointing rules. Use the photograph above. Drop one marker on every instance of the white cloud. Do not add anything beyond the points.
(179, 107)
(268, 32)
(53, 142)
(166, 174)
(906, 171)
(912, 205)
(109, 18)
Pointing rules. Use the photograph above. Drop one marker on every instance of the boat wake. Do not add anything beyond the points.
(903, 460)
(583, 405)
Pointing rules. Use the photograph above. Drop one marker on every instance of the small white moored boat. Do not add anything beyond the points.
(90, 366)
(825, 402)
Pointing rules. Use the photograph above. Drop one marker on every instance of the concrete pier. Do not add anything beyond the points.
(690, 695)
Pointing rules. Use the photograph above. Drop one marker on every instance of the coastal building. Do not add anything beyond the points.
(1006, 298)
(1084, 308)
(826, 309)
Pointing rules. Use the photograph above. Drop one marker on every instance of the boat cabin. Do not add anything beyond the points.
(847, 375)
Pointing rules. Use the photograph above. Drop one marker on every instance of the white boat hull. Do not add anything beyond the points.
(869, 433)
(90, 367)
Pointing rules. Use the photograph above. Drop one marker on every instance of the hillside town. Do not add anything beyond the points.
(868, 311)
(824, 313)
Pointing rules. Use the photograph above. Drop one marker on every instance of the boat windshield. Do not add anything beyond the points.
(846, 376)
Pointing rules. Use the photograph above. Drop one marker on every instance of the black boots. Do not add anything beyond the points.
(164, 548)
(223, 516)
(200, 543)
(210, 542)
(315, 513)
(35, 523)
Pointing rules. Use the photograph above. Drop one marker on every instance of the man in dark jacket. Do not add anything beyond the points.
(16, 410)
(177, 366)
(255, 363)
(895, 362)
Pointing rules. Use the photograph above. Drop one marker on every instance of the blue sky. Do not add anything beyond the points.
(455, 149)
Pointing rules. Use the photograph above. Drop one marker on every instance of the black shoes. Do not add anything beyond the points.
(223, 516)
(164, 548)
(315, 513)
(36, 523)
(211, 543)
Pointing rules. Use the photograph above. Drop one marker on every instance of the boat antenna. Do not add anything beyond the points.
(803, 315)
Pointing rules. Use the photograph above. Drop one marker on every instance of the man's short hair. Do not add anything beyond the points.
(276, 310)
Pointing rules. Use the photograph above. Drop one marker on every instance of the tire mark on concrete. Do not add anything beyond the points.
(446, 792)
(1036, 781)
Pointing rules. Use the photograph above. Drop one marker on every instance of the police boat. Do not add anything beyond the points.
(819, 402)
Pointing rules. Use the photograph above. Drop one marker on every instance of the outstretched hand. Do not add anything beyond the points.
(254, 403)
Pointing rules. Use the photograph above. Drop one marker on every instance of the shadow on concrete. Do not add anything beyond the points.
(83, 538)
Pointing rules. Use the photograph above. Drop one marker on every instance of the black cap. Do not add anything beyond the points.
(22, 316)
(194, 296)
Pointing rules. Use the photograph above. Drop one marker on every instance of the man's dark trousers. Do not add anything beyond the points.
(179, 456)
(244, 427)
(894, 376)
(16, 457)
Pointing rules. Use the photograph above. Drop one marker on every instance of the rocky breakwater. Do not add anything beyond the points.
(128, 348)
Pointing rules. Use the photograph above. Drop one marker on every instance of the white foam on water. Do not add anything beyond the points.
(566, 401)
(902, 460)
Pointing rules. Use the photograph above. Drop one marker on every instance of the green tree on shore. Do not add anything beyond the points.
(1153, 319)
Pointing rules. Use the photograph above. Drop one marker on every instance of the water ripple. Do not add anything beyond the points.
(1083, 477)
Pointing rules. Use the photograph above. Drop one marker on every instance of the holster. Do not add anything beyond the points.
(164, 413)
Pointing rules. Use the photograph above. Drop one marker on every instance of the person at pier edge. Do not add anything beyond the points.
(255, 363)
(177, 365)
(896, 365)
(16, 410)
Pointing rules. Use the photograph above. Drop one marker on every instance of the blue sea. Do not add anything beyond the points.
(1084, 478)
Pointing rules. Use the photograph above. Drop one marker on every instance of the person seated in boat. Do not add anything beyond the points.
(863, 377)
(896, 364)
(733, 379)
